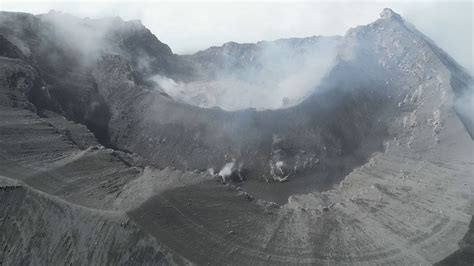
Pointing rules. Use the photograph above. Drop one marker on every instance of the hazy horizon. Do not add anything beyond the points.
(188, 27)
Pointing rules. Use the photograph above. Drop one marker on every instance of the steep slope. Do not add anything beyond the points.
(41, 229)
(59, 189)
(62, 48)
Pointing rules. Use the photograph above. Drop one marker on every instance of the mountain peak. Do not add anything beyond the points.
(388, 13)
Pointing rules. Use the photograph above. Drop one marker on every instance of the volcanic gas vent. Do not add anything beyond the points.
(265, 75)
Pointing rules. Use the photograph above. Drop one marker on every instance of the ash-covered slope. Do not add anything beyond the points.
(41, 229)
(60, 189)
(385, 120)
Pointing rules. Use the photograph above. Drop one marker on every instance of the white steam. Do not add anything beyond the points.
(267, 75)
(227, 170)
(87, 38)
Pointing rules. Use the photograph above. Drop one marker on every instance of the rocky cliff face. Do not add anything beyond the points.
(375, 165)
(63, 49)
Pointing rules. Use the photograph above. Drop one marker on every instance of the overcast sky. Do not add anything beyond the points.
(194, 25)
